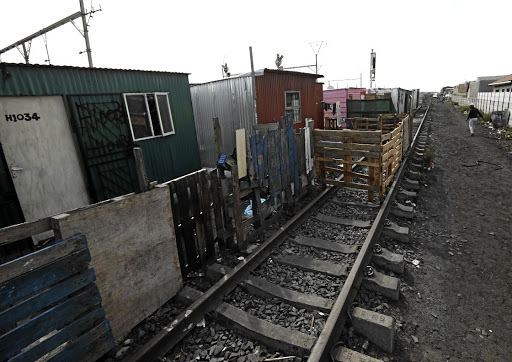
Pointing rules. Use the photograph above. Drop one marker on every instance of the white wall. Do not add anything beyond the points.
(488, 102)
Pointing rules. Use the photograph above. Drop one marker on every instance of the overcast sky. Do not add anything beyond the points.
(441, 43)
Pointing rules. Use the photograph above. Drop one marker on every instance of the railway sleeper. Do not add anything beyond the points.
(389, 261)
(326, 245)
(404, 195)
(314, 265)
(415, 166)
(404, 211)
(378, 328)
(264, 288)
(347, 222)
(274, 336)
(384, 284)
(410, 184)
(343, 354)
(395, 232)
(357, 203)
(413, 175)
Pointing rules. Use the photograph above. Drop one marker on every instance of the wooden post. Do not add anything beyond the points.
(142, 177)
(218, 136)
(237, 208)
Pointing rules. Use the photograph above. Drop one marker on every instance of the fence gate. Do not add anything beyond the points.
(103, 133)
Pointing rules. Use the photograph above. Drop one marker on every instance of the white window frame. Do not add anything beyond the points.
(155, 94)
(286, 108)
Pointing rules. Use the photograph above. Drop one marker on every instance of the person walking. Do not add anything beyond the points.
(472, 117)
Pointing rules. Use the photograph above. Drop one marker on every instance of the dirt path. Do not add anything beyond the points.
(460, 303)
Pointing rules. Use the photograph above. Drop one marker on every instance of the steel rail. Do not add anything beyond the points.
(337, 317)
(166, 339)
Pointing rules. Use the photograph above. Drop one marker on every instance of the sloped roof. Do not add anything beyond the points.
(502, 81)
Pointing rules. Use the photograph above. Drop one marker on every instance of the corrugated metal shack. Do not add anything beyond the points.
(332, 96)
(82, 125)
(232, 101)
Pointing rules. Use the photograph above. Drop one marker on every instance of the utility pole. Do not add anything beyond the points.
(27, 41)
(86, 33)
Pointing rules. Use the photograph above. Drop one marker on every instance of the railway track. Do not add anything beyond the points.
(291, 297)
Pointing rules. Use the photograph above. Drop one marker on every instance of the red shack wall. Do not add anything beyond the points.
(270, 89)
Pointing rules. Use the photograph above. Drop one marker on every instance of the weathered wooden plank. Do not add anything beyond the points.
(237, 208)
(25, 285)
(292, 145)
(42, 257)
(197, 216)
(339, 134)
(140, 169)
(301, 158)
(88, 347)
(265, 127)
(131, 240)
(218, 137)
(48, 297)
(241, 154)
(340, 160)
(284, 163)
(205, 210)
(249, 157)
(187, 224)
(54, 318)
(347, 184)
(340, 152)
(180, 236)
(76, 328)
(17, 232)
(274, 173)
(375, 147)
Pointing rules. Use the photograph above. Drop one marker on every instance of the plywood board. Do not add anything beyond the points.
(134, 254)
(241, 152)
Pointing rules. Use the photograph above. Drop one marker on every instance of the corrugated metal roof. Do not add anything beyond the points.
(75, 67)
(259, 73)
(505, 80)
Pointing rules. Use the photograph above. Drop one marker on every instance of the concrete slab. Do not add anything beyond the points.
(410, 184)
(395, 232)
(383, 284)
(343, 354)
(346, 222)
(378, 328)
(282, 339)
(326, 245)
(314, 265)
(389, 261)
(401, 210)
(405, 195)
(260, 286)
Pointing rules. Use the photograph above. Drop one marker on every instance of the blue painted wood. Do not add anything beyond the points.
(275, 186)
(281, 147)
(76, 328)
(89, 346)
(54, 318)
(40, 258)
(27, 284)
(42, 300)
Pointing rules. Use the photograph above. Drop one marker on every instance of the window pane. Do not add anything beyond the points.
(292, 99)
(163, 106)
(138, 116)
(154, 115)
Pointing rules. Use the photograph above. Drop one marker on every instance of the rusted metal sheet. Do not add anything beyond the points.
(271, 88)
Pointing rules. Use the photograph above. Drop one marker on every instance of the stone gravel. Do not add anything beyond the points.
(277, 312)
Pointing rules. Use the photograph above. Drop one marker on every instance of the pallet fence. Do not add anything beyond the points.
(375, 143)
(50, 306)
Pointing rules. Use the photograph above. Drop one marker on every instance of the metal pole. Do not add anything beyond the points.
(253, 87)
(25, 54)
(360, 80)
(316, 63)
(86, 34)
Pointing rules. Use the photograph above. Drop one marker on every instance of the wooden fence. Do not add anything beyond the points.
(51, 307)
(376, 143)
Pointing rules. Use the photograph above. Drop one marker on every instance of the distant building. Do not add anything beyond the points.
(461, 89)
(481, 84)
(447, 90)
(503, 84)
(232, 101)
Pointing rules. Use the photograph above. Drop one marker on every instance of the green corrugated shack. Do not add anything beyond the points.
(68, 133)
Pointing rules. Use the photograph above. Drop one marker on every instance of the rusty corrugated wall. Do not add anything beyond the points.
(270, 97)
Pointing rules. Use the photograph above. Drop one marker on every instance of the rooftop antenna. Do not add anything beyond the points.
(26, 43)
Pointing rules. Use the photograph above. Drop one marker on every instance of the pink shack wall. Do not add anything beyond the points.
(335, 95)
